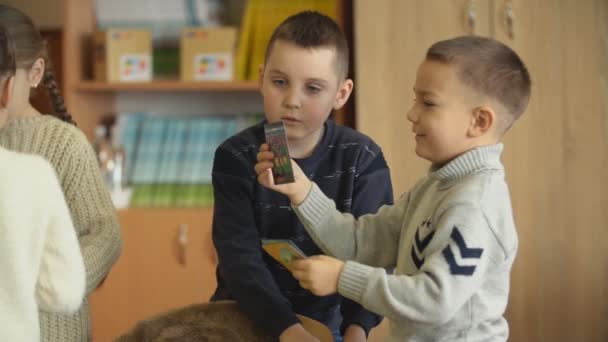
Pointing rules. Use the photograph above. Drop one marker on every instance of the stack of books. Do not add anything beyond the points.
(169, 158)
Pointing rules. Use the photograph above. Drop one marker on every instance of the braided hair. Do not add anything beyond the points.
(48, 80)
(29, 46)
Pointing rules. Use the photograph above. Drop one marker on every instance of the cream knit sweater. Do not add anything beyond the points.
(40, 259)
(93, 213)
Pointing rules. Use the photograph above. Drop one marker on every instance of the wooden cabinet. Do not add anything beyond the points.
(556, 156)
(168, 261)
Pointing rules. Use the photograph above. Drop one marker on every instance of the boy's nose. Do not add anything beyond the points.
(292, 99)
(412, 115)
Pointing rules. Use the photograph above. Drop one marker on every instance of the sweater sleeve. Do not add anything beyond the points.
(93, 213)
(372, 189)
(61, 279)
(453, 270)
(372, 239)
(237, 243)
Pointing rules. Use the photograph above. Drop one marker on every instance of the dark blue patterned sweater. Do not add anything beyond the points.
(347, 166)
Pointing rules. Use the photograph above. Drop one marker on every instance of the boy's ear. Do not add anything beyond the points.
(36, 72)
(344, 90)
(482, 121)
(6, 92)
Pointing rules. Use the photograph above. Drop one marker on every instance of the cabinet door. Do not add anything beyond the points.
(556, 159)
(556, 156)
(391, 39)
(155, 272)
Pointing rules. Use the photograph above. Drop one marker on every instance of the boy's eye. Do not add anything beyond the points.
(424, 102)
(279, 82)
(313, 89)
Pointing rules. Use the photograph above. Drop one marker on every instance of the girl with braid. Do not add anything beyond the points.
(56, 139)
(40, 258)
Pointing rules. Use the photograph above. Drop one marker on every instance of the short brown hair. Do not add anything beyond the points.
(7, 55)
(489, 67)
(311, 29)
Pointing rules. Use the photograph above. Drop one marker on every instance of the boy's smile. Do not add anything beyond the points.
(300, 86)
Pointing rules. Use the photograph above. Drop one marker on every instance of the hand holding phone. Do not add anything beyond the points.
(276, 138)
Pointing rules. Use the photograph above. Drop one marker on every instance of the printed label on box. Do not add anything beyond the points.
(135, 67)
(213, 66)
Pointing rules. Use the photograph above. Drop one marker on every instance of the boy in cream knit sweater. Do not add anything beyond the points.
(451, 238)
(40, 258)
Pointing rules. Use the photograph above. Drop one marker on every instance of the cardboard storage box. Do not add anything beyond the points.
(207, 53)
(123, 55)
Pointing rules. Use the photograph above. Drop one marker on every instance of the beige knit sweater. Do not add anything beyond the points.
(93, 213)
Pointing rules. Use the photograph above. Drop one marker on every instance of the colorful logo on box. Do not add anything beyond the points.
(135, 68)
(196, 34)
(119, 35)
(213, 66)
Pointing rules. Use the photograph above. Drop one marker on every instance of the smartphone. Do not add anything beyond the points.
(277, 140)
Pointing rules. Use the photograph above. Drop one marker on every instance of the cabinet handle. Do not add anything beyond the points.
(182, 242)
(510, 19)
(470, 16)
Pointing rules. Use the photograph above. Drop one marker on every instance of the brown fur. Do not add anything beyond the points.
(211, 322)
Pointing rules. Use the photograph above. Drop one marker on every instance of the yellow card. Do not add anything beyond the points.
(283, 251)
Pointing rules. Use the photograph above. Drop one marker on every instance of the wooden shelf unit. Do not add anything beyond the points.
(166, 85)
(149, 277)
(88, 100)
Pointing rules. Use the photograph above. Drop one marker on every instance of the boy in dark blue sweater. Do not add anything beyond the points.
(303, 79)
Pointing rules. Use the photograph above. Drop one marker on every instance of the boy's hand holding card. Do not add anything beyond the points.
(283, 251)
(275, 168)
(319, 274)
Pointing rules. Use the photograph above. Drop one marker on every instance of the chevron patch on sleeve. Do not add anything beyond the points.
(465, 253)
(421, 244)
